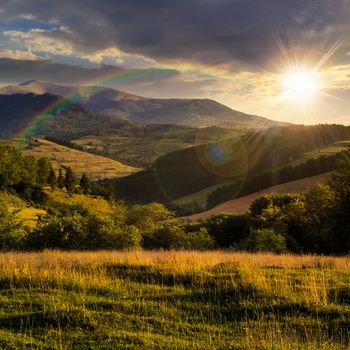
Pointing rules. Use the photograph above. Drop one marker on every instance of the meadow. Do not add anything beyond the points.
(95, 166)
(173, 300)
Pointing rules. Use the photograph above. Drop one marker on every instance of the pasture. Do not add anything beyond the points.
(173, 300)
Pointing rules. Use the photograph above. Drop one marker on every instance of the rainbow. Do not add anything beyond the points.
(84, 89)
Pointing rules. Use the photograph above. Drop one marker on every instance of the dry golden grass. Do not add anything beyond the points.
(173, 300)
(81, 162)
(90, 203)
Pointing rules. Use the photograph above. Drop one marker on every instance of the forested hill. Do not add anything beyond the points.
(183, 172)
(190, 112)
(18, 111)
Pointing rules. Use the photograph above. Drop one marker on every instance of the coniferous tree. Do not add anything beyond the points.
(52, 179)
(60, 179)
(85, 184)
(69, 180)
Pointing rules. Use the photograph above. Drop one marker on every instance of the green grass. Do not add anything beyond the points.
(173, 300)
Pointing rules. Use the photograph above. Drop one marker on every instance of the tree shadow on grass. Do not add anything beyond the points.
(40, 320)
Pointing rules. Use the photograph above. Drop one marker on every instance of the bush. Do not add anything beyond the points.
(198, 240)
(166, 236)
(228, 230)
(77, 232)
(173, 236)
(264, 240)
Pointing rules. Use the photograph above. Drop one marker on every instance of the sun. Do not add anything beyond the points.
(299, 86)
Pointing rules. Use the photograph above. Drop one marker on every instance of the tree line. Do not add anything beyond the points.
(253, 183)
(317, 221)
(184, 172)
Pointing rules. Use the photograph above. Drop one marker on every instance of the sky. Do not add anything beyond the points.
(286, 60)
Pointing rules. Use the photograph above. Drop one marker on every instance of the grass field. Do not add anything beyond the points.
(173, 300)
(27, 214)
(81, 162)
(241, 204)
(143, 151)
(90, 203)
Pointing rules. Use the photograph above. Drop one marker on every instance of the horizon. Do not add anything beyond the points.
(184, 98)
(286, 62)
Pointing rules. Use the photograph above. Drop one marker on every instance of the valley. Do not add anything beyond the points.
(174, 175)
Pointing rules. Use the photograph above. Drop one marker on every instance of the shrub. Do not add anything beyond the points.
(198, 240)
(264, 240)
(228, 230)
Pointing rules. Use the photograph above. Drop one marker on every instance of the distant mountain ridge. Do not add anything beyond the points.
(189, 112)
(19, 110)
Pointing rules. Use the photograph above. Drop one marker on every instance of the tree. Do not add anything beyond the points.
(60, 179)
(52, 180)
(265, 240)
(319, 218)
(229, 230)
(69, 180)
(340, 184)
(44, 169)
(148, 217)
(85, 184)
(12, 234)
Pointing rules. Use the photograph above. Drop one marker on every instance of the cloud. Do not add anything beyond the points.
(43, 41)
(234, 34)
(18, 55)
(14, 71)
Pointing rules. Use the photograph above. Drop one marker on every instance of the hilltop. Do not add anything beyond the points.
(190, 112)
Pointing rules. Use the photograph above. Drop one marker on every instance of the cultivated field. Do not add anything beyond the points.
(173, 300)
(95, 166)
(241, 204)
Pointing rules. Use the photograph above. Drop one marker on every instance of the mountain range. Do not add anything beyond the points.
(123, 105)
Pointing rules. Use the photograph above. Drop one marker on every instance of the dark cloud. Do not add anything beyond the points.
(14, 71)
(235, 33)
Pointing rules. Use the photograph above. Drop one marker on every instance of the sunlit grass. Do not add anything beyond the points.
(173, 300)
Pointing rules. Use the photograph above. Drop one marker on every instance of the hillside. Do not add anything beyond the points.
(201, 197)
(241, 205)
(254, 161)
(191, 112)
(96, 167)
(17, 112)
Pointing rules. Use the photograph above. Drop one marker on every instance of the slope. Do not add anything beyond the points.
(94, 166)
(241, 205)
(253, 160)
(17, 112)
(191, 112)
